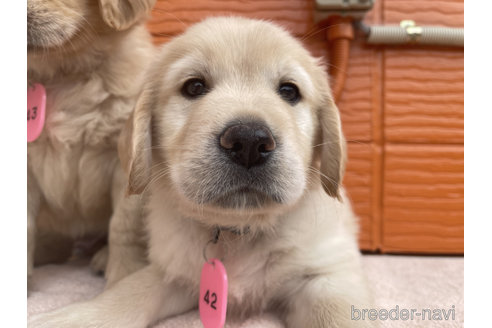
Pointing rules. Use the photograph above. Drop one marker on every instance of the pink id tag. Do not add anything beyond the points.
(36, 110)
(213, 294)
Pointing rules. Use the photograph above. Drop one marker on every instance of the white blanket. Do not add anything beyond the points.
(411, 282)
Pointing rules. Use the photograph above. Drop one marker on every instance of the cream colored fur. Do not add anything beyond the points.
(300, 258)
(91, 57)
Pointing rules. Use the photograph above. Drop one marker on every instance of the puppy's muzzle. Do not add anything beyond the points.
(248, 144)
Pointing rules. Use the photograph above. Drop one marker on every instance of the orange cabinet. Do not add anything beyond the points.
(402, 113)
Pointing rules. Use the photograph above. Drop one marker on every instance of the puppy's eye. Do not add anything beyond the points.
(194, 88)
(289, 92)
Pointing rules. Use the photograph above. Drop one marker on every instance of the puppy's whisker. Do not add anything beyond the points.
(64, 50)
(89, 25)
(315, 170)
(336, 142)
(326, 143)
(157, 176)
(170, 14)
(163, 34)
(328, 64)
(312, 32)
(157, 165)
(361, 142)
(183, 148)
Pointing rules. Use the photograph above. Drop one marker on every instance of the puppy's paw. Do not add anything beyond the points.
(91, 314)
(74, 316)
(99, 260)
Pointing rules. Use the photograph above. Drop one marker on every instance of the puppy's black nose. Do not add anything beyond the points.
(248, 144)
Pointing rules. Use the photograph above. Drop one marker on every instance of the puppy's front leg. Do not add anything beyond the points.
(134, 302)
(326, 302)
(126, 241)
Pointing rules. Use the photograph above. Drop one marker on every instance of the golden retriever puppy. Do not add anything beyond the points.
(237, 140)
(90, 56)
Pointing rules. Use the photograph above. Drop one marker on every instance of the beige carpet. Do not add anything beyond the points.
(429, 285)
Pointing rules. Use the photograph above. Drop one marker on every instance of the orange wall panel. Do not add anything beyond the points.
(358, 182)
(424, 95)
(171, 17)
(423, 198)
(355, 103)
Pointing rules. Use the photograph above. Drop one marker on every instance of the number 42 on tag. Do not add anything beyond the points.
(213, 294)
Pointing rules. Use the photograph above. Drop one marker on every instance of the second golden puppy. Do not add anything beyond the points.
(237, 140)
(90, 56)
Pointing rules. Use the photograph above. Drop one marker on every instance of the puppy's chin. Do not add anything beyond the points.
(239, 201)
(246, 198)
(239, 209)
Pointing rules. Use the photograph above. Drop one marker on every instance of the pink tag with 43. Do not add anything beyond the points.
(213, 294)
(36, 108)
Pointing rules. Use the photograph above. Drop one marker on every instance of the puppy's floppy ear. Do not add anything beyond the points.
(333, 146)
(134, 145)
(121, 14)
